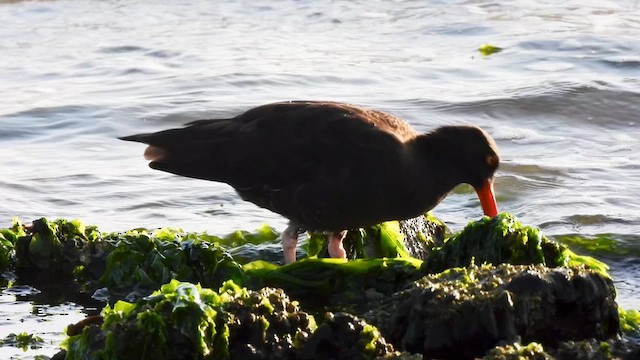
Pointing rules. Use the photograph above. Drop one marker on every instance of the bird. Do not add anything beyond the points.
(329, 166)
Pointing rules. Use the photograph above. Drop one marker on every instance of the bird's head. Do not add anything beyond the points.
(473, 159)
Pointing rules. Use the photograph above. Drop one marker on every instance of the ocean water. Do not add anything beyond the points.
(562, 100)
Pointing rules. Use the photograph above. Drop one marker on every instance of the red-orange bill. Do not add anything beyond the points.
(487, 199)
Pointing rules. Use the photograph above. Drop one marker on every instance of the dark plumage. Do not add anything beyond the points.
(329, 166)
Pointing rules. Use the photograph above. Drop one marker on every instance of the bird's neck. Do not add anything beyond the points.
(431, 172)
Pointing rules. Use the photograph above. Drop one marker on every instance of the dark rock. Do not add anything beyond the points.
(463, 312)
(344, 336)
(516, 351)
(423, 234)
(625, 348)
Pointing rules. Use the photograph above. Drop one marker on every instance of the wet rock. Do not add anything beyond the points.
(344, 336)
(422, 234)
(516, 351)
(463, 312)
(185, 321)
(625, 348)
(415, 238)
(270, 329)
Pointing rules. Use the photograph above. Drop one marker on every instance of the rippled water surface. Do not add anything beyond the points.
(562, 101)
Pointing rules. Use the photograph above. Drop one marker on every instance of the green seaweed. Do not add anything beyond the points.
(382, 240)
(335, 281)
(49, 244)
(183, 320)
(245, 317)
(140, 262)
(132, 264)
(517, 351)
(22, 341)
(488, 49)
(6, 251)
(391, 240)
(186, 321)
(629, 320)
(603, 244)
(263, 234)
(502, 239)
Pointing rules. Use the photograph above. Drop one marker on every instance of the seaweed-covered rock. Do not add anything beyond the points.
(46, 245)
(185, 321)
(414, 238)
(8, 238)
(588, 349)
(500, 240)
(335, 282)
(481, 306)
(138, 262)
(130, 265)
(459, 313)
(344, 336)
(516, 351)
(623, 348)
(423, 234)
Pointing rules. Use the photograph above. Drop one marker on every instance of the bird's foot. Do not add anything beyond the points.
(336, 250)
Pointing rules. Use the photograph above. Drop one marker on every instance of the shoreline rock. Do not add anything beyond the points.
(406, 293)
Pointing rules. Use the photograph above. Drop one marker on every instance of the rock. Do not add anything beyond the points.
(422, 234)
(344, 336)
(503, 239)
(463, 312)
(624, 348)
(185, 321)
(516, 351)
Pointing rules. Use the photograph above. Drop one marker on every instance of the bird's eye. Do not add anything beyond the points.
(492, 161)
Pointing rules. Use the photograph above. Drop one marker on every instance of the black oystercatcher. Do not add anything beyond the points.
(329, 166)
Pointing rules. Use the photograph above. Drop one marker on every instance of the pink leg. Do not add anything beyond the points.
(289, 243)
(336, 250)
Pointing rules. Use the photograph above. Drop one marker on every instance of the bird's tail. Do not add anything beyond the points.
(178, 155)
(151, 153)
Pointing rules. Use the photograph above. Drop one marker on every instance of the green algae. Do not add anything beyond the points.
(517, 351)
(131, 264)
(629, 320)
(134, 263)
(139, 261)
(6, 252)
(345, 336)
(382, 240)
(22, 341)
(8, 239)
(488, 49)
(392, 240)
(144, 328)
(335, 281)
(481, 306)
(603, 244)
(186, 321)
(502, 239)
(588, 349)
